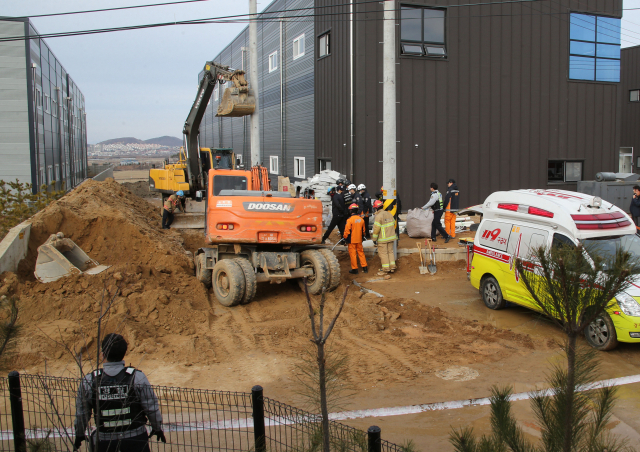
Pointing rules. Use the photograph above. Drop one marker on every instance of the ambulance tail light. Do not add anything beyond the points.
(540, 212)
(512, 207)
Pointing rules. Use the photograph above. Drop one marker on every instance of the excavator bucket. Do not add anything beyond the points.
(237, 100)
(235, 103)
(192, 218)
(59, 257)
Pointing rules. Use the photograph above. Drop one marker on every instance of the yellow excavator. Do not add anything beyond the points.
(194, 162)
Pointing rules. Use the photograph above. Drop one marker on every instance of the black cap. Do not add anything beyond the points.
(451, 181)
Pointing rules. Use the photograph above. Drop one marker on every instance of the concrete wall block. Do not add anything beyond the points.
(14, 247)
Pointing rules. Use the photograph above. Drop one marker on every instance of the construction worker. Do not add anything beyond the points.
(364, 201)
(126, 401)
(436, 204)
(384, 234)
(338, 212)
(452, 205)
(634, 208)
(172, 203)
(350, 194)
(353, 233)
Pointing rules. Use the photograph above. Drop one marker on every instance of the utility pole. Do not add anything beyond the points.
(253, 81)
(389, 101)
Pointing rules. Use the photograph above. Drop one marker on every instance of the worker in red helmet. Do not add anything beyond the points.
(384, 234)
(353, 234)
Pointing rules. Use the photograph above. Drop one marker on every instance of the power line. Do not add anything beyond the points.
(110, 9)
(269, 16)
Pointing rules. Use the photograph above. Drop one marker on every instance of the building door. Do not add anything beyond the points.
(626, 160)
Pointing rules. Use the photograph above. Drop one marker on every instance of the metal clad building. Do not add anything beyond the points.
(630, 104)
(503, 102)
(43, 128)
(286, 89)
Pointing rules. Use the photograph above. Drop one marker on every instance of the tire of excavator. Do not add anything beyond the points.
(334, 269)
(203, 274)
(250, 282)
(228, 271)
(320, 279)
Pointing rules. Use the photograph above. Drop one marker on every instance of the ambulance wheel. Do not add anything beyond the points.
(202, 274)
(250, 282)
(334, 269)
(492, 294)
(228, 282)
(601, 333)
(320, 279)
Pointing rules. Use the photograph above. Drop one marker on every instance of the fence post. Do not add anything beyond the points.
(257, 400)
(17, 415)
(373, 435)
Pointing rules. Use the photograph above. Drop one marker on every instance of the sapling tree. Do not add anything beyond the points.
(574, 286)
(319, 338)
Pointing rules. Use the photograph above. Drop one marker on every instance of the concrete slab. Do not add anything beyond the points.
(14, 247)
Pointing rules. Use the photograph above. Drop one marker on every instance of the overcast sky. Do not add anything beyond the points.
(141, 83)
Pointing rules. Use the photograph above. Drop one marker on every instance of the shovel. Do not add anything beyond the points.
(423, 264)
(432, 253)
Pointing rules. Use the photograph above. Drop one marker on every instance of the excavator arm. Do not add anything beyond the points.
(236, 101)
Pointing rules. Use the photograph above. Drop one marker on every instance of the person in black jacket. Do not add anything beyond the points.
(451, 206)
(338, 212)
(635, 204)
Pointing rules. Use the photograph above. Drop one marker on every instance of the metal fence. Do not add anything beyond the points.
(37, 409)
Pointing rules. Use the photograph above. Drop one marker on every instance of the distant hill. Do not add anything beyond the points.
(165, 141)
(125, 140)
(162, 141)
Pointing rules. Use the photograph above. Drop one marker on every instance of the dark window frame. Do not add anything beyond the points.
(595, 42)
(326, 33)
(557, 181)
(422, 43)
(637, 92)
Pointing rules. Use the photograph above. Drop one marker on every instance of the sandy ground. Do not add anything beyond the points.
(401, 347)
(131, 176)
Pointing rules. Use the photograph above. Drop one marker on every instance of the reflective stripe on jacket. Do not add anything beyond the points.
(384, 227)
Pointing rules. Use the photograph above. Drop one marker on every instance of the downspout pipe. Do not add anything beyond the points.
(389, 144)
(351, 109)
(283, 163)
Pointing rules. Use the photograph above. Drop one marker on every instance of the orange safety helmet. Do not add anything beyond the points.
(354, 206)
(377, 204)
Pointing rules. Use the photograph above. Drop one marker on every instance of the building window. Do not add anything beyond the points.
(215, 93)
(238, 159)
(298, 167)
(38, 98)
(594, 48)
(324, 164)
(273, 61)
(634, 95)
(273, 164)
(298, 47)
(422, 32)
(57, 173)
(54, 111)
(47, 103)
(324, 48)
(560, 171)
(49, 174)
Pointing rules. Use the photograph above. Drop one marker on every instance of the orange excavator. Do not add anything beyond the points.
(253, 234)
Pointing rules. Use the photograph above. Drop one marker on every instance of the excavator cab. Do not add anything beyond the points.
(237, 100)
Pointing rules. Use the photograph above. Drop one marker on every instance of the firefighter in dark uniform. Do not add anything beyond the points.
(366, 209)
(126, 402)
(338, 212)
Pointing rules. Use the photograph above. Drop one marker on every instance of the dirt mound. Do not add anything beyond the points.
(140, 189)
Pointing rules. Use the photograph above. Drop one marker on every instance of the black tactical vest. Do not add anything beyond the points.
(120, 407)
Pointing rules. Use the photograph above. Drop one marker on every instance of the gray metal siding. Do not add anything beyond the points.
(296, 139)
(490, 116)
(630, 80)
(14, 111)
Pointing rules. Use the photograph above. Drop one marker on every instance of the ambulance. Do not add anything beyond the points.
(515, 222)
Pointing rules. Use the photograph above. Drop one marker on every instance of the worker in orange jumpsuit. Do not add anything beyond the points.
(451, 206)
(353, 234)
